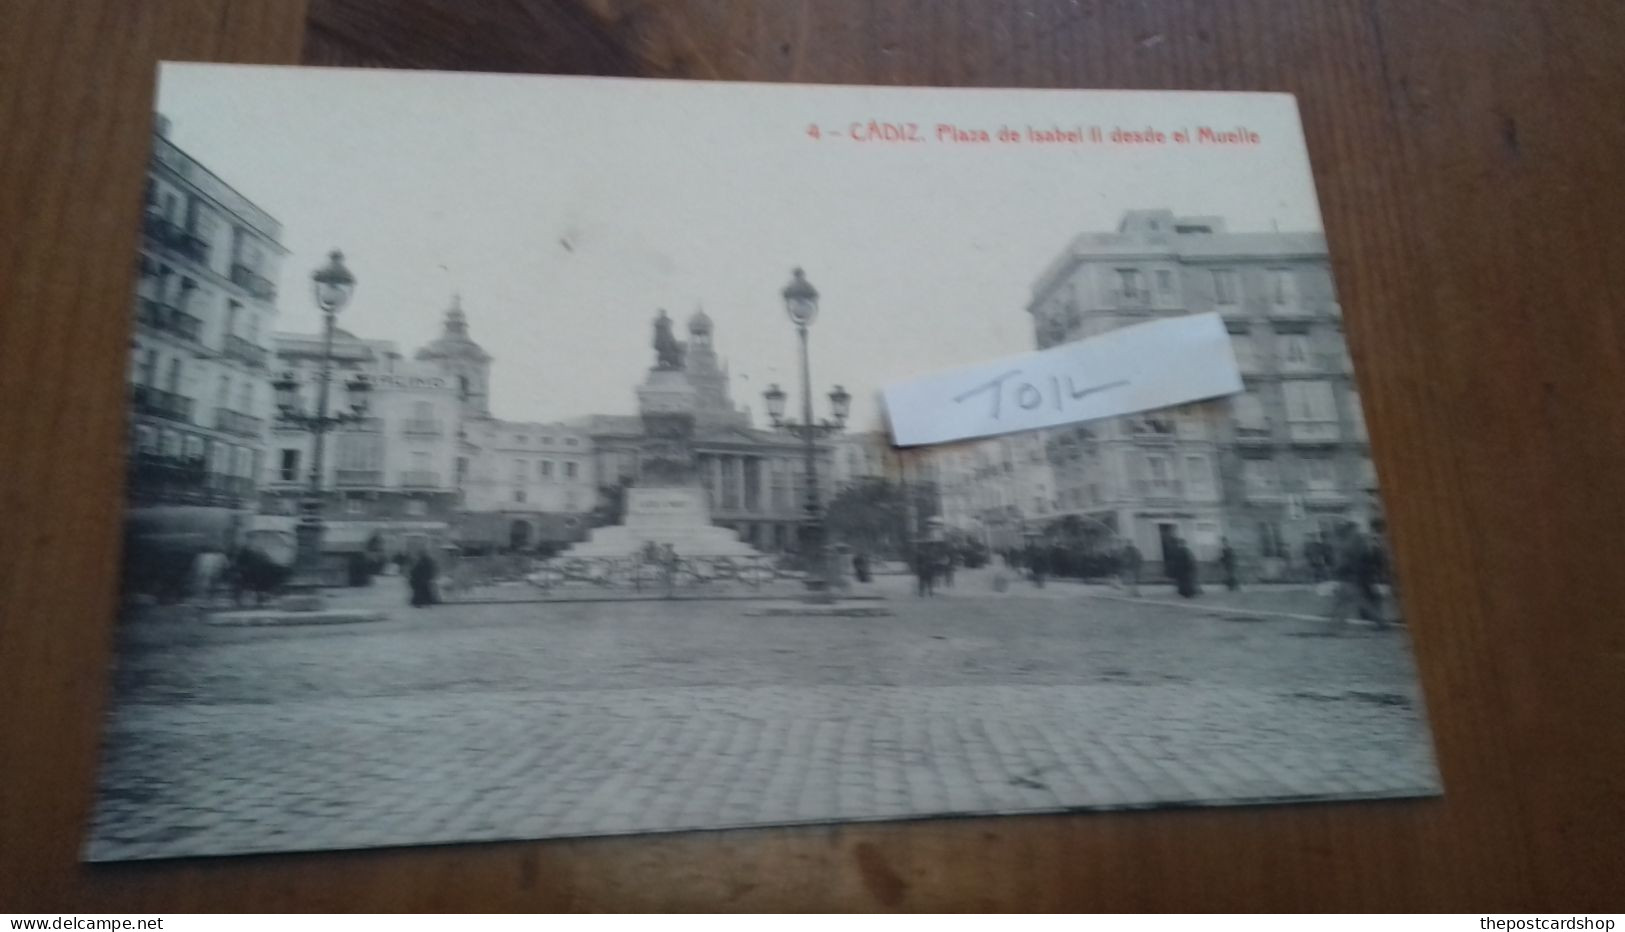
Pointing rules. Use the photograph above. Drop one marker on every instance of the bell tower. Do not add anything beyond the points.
(463, 361)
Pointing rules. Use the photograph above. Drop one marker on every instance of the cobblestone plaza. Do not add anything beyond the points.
(501, 721)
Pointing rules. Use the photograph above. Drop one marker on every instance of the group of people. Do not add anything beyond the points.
(422, 575)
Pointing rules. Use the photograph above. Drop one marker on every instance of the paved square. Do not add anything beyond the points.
(474, 722)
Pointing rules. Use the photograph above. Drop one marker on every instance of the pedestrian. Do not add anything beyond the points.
(1227, 560)
(860, 567)
(1351, 569)
(924, 572)
(1131, 568)
(1183, 569)
(421, 578)
(947, 565)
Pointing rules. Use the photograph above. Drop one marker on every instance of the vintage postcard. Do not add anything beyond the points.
(508, 459)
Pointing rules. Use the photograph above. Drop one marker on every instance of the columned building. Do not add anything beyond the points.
(1270, 469)
(754, 479)
(199, 387)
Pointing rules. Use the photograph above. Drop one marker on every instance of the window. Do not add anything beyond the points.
(1248, 411)
(569, 441)
(1199, 475)
(546, 441)
(245, 398)
(1225, 291)
(1246, 352)
(1283, 287)
(355, 505)
(1319, 473)
(547, 469)
(1295, 354)
(520, 439)
(570, 469)
(173, 385)
(1165, 283)
(149, 369)
(289, 469)
(519, 495)
(519, 472)
(171, 443)
(1270, 543)
(1309, 401)
(232, 309)
(571, 501)
(1261, 476)
(146, 439)
(462, 468)
(417, 506)
(1368, 475)
(1131, 282)
(222, 392)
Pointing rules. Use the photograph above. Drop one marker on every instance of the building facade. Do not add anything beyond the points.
(1270, 469)
(998, 490)
(200, 399)
(389, 480)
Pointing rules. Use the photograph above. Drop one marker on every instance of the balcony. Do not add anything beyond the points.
(1313, 432)
(167, 405)
(371, 478)
(166, 318)
(1159, 489)
(1127, 299)
(367, 425)
(1254, 435)
(422, 427)
(176, 239)
(235, 422)
(178, 480)
(245, 352)
(420, 479)
(253, 282)
(1325, 497)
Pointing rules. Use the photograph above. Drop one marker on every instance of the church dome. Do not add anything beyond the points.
(454, 341)
(700, 322)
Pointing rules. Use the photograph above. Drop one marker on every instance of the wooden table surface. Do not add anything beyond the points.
(1469, 163)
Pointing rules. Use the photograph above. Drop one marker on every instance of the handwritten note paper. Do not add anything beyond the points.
(1151, 365)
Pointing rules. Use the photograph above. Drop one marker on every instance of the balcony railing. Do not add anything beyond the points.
(1159, 488)
(240, 349)
(253, 282)
(173, 237)
(367, 425)
(1325, 496)
(422, 426)
(1132, 299)
(362, 477)
(420, 479)
(235, 422)
(170, 319)
(1313, 431)
(1254, 434)
(181, 480)
(158, 403)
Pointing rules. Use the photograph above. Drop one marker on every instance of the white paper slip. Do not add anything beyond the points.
(1150, 365)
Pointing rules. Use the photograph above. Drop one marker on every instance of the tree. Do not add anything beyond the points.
(872, 515)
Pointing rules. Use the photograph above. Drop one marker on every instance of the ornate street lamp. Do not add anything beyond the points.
(332, 286)
(801, 304)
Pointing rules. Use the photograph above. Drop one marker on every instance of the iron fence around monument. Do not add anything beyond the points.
(608, 578)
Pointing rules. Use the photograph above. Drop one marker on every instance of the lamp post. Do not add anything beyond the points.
(801, 304)
(332, 286)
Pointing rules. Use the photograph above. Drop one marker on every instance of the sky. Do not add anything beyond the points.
(566, 212)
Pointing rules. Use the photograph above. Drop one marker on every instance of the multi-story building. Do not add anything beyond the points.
(389, 480)
(860, 456)
(199, 385)
(997, 490)
(525, 484)
(1271, 468)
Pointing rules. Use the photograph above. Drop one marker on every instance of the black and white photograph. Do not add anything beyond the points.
(507, 459)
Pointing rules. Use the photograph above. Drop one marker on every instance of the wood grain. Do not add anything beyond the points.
(1468, 157)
